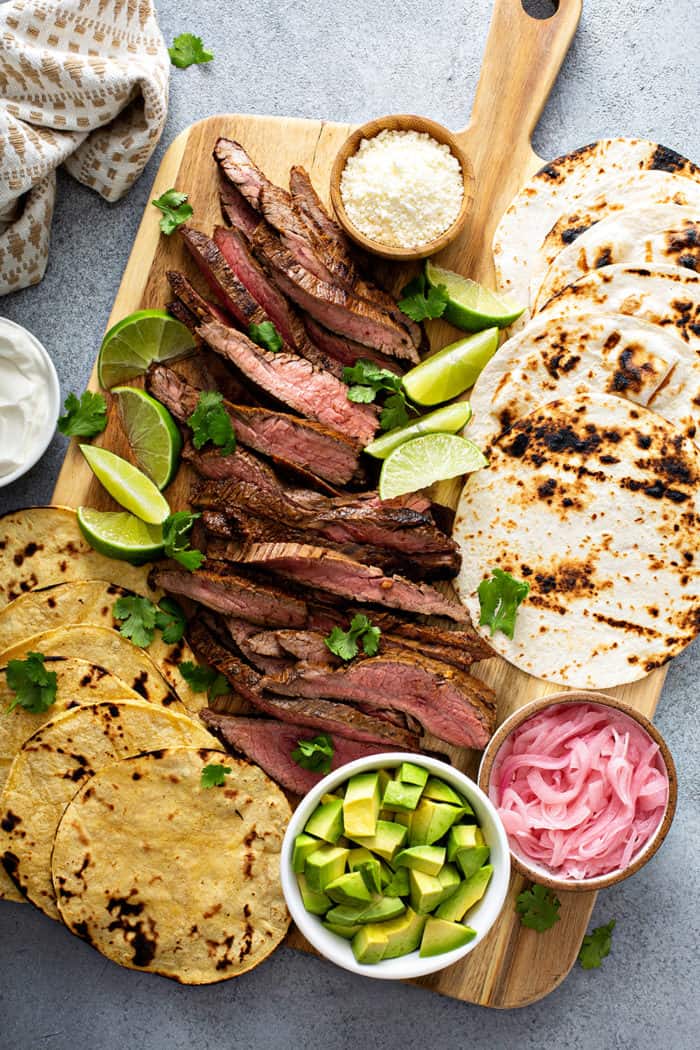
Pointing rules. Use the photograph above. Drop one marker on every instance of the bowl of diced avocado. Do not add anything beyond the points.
(395, 866)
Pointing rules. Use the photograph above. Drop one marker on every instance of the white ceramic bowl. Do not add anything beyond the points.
(53, 394)
(481, 917)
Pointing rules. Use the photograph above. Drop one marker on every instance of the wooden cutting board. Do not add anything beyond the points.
(513, 966)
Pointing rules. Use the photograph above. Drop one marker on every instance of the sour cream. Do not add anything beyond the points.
(29, 399)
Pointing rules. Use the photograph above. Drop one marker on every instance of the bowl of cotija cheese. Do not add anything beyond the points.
(401, 187)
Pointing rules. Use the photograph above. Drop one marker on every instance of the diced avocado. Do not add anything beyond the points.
(384, 778)
(371, 874)
(326, 821)
(345, 914)
(441, 936)
(303, 846)
(347, 932)
(402, 817)
(383, 908)
(425, 890)
(358, 855)
(470, 860)
(349, 889)
(398, 885)
(314, 902)
(361, 804)
(449, 877)
(439, 791)
(403, 934)
(331, 797)
(463, 836)
(385, 814)
(324, 865)
(429, 859)
(369, 944)
(387, 840)
(401, 796)
(465, 896)
(410, 773)
(430, 821)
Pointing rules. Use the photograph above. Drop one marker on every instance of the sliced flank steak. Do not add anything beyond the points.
(346, 351)
(202, 308)
(243, 679)
(236, 298)
(239, 169)
(235, 208)
(233, 594)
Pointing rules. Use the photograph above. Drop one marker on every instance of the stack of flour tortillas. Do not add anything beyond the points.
(590, 417)
(105, 820)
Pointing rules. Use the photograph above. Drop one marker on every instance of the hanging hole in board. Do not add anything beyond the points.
(541, 9)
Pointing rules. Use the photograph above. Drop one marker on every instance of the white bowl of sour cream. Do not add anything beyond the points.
(30, 400)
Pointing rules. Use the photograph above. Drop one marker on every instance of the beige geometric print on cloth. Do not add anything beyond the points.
(82, 83)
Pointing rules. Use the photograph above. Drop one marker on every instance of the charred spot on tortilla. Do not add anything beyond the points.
(665, 159)
(603, 258)
(689, 262)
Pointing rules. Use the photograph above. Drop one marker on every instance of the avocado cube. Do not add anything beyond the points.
(470, 860)
(314, 902)
(331, 797)
(403, 934)
(303, 846)
(467, 894)
(345, 914)
(401, 816)
(347, 932)
(401, 796)
(430, 821)
(324, 865)
(348, 889)
(463, 836)
(383, 908)
(371, 874)
(429, 859)
(361, 804)
(449, 877)
(439, 791)
(410, 773)
(441, 936)
(398, 885)
(425, 891)
(387, 840)
(326, 821)
(384, 777)
(369, 944)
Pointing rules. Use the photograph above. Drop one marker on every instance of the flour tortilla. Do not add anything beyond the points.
(555, 190)
(88, 602)
(565, 356)
(54, 762)
(44, 545)
(595, 502)
(667, 296)
(77, 682)
(664, 233)
(160, 874)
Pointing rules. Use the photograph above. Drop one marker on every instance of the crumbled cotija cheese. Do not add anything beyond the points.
(402, 188)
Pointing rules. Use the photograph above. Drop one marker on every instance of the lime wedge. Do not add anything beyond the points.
(153, 436)
(425, 460)
(133, 343)
(452, 370)
(470, 306)
(127, 484)
(117, 534)
(447, 420)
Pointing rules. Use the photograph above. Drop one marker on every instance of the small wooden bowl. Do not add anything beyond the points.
(402, 122)
(530, 868)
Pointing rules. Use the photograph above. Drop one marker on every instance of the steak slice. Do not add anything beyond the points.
(238, 301)
(305, 388)
(335, 573)
(179, 311)
(269, 744)
(241, 631)
(235, 207)
(243, 679)
(451, 705)
(196, 303)
(233, 594)
(345, 350)
(240, 170)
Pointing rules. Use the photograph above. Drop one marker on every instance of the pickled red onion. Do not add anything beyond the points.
(581, 788)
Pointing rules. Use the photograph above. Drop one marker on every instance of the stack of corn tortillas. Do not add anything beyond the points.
(590, 417)
(154, 869)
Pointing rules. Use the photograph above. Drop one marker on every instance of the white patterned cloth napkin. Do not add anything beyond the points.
(83, 83)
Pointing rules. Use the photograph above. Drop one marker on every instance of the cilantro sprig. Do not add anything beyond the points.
(214, 775)
(176, 539)
(204, 679)
(34, 687)
(538, 908)
(211, 422)
(84, 417)
(188, 50)
(316, 754)
(175, 210)
(422, 305)
(345, 644)
(140, 618)
(499, 599)
(596, 946)
(266, 335)
(170, 620)
(366, 380)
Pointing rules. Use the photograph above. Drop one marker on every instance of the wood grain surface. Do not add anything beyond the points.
(513, 966)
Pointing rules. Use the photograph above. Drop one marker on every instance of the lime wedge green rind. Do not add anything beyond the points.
(138, 340)
(470, 306)
(153, 436)
(128, 485)
(452, 370)
(118, 534)
(446, 420)
(421, 462)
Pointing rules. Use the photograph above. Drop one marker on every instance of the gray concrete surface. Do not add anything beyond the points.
(632, 70)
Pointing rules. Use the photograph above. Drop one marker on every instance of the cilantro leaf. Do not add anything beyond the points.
(33, 685)
(188, 50)
(316, 754)
(345, 643)
(538, 908)
(175, 210)
(211, 422)
(395, 413)
(266, 335)
(367, 373)
(499, 599)
(138, 616)
(596, 946)
(362, 395)
(420, 305)
(204, 679)
(368, 380)
(170, 620)
(214, 775)
(176, 539)
(85, 417)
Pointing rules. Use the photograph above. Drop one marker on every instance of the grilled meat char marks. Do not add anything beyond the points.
(234, 595)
